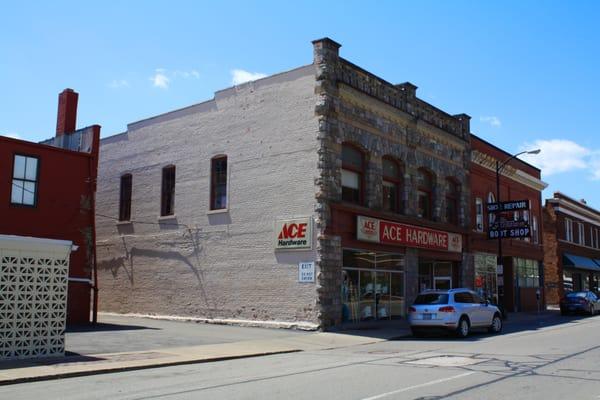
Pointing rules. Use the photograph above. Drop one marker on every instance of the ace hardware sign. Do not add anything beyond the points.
(393, 233)
(293, 234)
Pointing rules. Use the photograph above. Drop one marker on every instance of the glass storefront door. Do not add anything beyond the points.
(372, 286)
(435, 275)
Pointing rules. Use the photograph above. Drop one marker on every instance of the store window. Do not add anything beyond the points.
(452, 200)
(527, 271)
(479, 214)
(24, 181)
(485, 276)
(425, 185)
(352, 174)
(392, 184)
(218, 183)
(372, 286)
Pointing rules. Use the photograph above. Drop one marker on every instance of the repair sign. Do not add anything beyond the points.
(393, 233)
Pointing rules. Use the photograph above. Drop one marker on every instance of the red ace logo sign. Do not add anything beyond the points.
(293, 234)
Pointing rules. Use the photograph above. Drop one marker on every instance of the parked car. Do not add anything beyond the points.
(574, 302)
(457, 310)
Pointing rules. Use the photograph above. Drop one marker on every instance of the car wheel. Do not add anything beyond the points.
(462, 331)
(496, 326)
(592, 311)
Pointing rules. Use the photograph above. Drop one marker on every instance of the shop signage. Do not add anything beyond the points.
(393, 233)
(306, 272)
(292, 234)
(509, 229)
(503, 206)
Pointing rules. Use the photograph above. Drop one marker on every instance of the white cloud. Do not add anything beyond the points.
(12, 135)
(492, 120)
(560, 155)
(118, 83)
(239, 76)
(595, 166)
(160, 79)
(187, 74)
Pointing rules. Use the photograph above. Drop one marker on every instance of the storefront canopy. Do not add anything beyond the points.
(573, 261)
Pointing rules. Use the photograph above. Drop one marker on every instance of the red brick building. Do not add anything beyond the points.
(571, 246)
(47, 191)
(515, 287)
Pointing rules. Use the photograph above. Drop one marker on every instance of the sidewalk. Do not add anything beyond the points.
(128, 343)
(121, 343)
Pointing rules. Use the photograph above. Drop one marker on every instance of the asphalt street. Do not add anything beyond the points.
(558, 361)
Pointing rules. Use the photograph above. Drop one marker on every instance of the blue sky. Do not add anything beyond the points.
(526, 71)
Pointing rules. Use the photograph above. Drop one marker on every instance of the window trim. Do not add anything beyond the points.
(121, 202)
(568, 230)
(580, 233)
(479, 215)
(37, 185)
(163, 210)
(360, 171)
(396, 180)
(213, 186)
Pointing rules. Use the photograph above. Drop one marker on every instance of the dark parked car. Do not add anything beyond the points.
(586, 302)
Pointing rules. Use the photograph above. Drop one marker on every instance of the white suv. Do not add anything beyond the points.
(458, 310)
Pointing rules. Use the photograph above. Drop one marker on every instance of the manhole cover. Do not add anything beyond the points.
(446, 361)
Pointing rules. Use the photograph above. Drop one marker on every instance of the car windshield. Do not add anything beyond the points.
(576, 294)
(432, 298)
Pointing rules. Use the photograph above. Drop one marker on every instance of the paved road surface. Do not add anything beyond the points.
(556, 362)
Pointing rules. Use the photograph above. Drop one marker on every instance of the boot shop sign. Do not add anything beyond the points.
(392, 233)
(293, 234)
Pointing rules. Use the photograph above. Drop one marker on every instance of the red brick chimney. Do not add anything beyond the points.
(67, 112)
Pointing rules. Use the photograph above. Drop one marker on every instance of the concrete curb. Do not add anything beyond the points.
(61, 375)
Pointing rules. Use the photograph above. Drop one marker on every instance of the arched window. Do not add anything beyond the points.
(125, 198)
(218, 183)
(352, 174)
(425, 184)
(452, 200)
(392, 184)
(167, 198)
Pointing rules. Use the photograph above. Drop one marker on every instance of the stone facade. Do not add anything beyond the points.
(355, 106)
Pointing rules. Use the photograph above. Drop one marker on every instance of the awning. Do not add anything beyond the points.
(573, 261)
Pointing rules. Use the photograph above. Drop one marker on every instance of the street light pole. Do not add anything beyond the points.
(499, 260)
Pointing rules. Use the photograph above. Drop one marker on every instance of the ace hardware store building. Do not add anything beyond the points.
(315, 198)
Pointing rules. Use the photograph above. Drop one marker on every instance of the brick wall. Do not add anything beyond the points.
(219, 265)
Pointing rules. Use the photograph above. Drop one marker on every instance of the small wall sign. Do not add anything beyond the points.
(306, 272)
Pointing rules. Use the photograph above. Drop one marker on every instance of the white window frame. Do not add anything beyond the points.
(479, 214)
(27, 183)
(536, 235)
(568, 230)
(581, 236)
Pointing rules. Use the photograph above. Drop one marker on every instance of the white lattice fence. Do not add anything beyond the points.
(33, 296)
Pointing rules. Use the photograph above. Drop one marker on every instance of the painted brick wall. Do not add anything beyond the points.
(219, 265)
